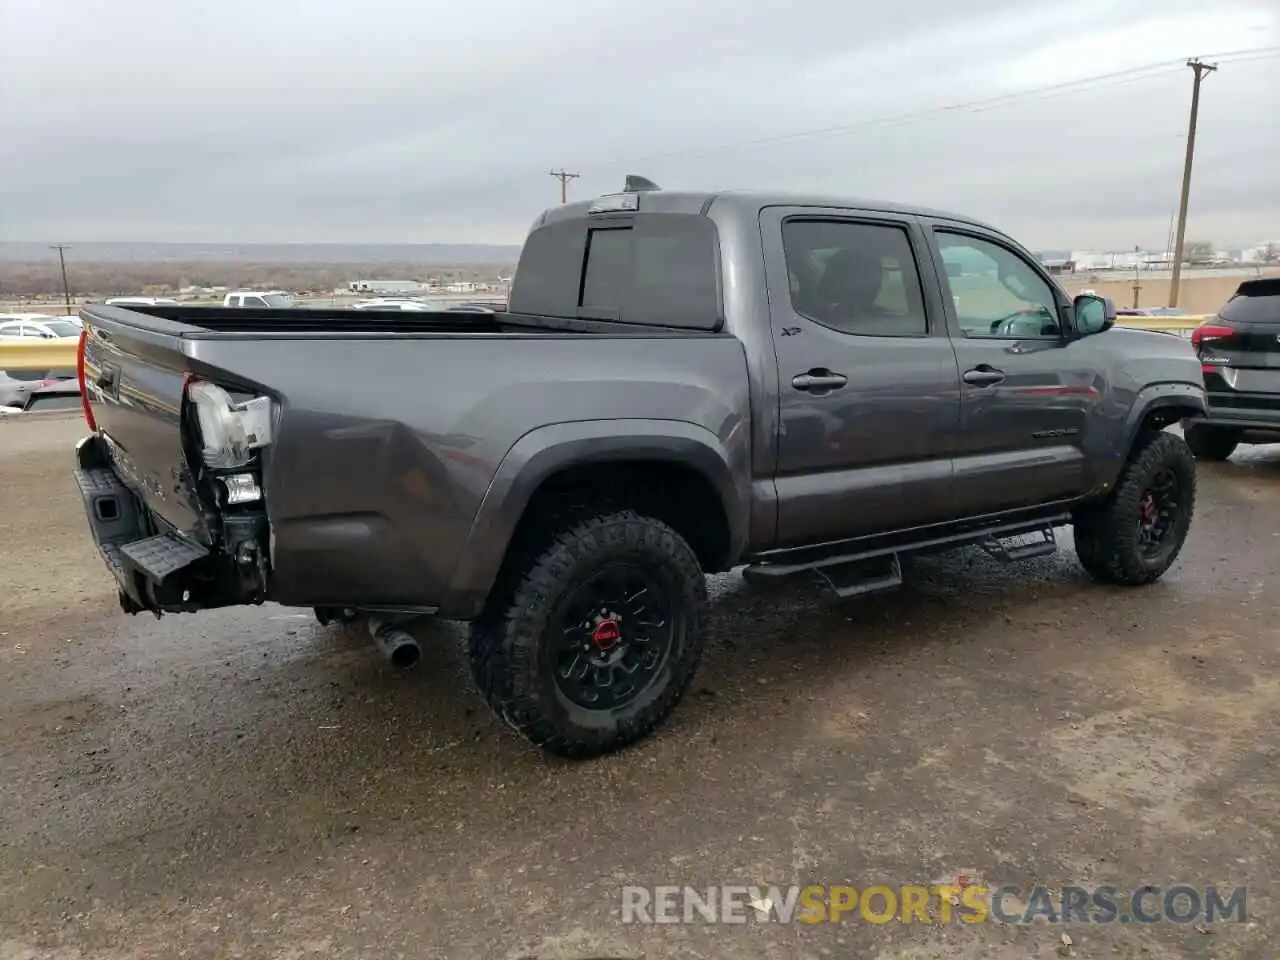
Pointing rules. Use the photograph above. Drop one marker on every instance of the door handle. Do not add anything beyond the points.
(819, 379)
(983, 376)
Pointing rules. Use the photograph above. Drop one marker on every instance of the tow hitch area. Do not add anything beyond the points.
(157, 568)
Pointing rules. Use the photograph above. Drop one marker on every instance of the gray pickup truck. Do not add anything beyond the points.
(682, 383)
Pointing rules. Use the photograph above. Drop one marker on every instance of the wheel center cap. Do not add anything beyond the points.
(606, 634)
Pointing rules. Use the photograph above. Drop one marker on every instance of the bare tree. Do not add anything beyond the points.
(1270, 252)
(1199, 251)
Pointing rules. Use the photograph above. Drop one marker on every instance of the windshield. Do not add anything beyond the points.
(63, 328)
(278, 300)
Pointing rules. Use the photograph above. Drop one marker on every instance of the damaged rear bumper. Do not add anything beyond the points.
(158, 568)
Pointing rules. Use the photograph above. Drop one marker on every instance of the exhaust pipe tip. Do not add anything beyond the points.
(398, 646)
(404, 652)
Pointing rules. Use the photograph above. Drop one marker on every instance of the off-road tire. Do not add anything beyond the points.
(507, 642)
(1106, 534)
(1210, 443)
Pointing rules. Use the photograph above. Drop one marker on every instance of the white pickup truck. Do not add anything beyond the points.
(258, 298)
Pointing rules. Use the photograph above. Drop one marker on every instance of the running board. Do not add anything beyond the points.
(871, 571)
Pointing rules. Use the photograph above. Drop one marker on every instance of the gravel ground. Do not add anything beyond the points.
(250, 784)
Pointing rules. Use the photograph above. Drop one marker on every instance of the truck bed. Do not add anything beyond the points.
(199, 322)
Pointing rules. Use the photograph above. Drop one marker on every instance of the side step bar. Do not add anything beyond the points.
(859, 578)
(855, 575)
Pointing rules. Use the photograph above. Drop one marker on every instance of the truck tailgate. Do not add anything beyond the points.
(134, 375)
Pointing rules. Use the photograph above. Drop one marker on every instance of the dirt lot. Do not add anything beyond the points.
(249, 784)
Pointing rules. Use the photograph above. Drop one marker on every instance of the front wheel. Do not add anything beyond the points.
(596, 637)
(1134, 536)
(1210, 443)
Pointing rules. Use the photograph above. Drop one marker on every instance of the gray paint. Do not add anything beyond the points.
(404, 460)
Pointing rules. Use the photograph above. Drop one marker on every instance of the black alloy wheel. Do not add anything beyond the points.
(614, 634)
(1158, 513)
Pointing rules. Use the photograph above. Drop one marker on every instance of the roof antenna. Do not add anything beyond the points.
(638, 184)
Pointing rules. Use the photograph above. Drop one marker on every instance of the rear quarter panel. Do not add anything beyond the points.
(387, 446)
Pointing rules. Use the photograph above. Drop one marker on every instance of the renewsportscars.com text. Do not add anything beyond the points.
(966, 904)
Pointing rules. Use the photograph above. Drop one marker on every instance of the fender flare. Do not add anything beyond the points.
(547, 450)
(1170, 395)
(1188, 396)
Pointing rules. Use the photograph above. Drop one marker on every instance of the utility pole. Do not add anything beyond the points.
(62, 262)
(1137, 279)
(1201, 70)
(564, 179)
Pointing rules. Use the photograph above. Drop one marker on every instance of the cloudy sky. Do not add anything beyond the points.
(435, 121)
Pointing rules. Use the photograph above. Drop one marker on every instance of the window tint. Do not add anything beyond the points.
(858, 278)
(660, 269)
(254, 302)
(996, 293)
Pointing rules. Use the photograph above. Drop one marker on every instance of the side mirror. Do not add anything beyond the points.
(1094, 314)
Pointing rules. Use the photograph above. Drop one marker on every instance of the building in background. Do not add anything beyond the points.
(403, 287)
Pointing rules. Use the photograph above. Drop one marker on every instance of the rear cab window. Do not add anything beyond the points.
(656, 269)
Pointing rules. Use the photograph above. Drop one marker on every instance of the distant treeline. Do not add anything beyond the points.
(158, 279)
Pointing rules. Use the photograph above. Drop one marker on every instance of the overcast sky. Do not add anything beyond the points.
(434, 121)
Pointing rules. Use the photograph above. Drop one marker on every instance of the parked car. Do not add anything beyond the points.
(270, 299)
(396, 303)
(17, 385)
(1150, 312)
(685, 383)
(480, 306)
(5, 317)
(1239, 352)
(58, 394)
(142, 302)
(47, 328)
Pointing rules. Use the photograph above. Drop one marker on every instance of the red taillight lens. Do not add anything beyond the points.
(1205, 335)
(1208, 332)
(84, 394)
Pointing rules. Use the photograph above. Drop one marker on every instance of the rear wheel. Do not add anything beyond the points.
(1210, 443)
(1134, 536)
(595, 635)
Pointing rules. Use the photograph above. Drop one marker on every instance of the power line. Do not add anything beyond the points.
(564, 179)
(62, 262)
(1082, 84)
(1148, 71)
(1201, 70)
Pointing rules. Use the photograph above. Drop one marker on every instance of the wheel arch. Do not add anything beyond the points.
(595, 451)
(1154, 407)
